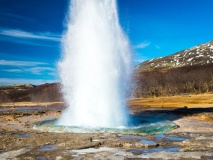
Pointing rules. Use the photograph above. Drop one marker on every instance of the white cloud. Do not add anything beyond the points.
(20, 63)
(142, 45)
(13, 70)
(38, 70)
(33, 70)
(9, 81)
(28, 35)
(45, 39)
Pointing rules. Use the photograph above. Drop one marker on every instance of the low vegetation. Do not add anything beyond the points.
(182, 81)
(176, 81)
(30, 93)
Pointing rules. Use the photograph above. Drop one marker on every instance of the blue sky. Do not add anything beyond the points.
(30, 33)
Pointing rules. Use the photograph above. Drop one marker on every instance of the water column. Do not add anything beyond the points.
(95, 66)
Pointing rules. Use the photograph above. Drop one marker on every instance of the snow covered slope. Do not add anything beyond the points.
(198, 55)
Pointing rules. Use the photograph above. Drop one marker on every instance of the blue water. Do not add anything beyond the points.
(49, 147)
(169, 137)
(148, 142)
(152, 150)
(138, 125)
(24, 135)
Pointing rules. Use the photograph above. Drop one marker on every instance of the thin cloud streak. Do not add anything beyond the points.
(10, 81)
(34, 70)
(28, 35)
(15, 17)
(28, 67)
(13, 70)
(26, 41)
(38, 70)
(21, 63)
(142, 45)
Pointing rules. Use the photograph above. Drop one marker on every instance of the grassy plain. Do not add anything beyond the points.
(30, 104)
(190, 101)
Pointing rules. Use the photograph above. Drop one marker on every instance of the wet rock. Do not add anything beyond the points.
(138, 145)
(119, 145)
(198, 141)
(90, 139)
(41, 158)
(102, 137)
(1, 150)
(148, 143)
(47, 148)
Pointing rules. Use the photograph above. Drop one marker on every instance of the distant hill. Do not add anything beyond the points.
(188, 71)
(28, 92)
(197, 55)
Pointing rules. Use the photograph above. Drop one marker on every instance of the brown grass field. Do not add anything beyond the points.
(190, 101)
(30, 104)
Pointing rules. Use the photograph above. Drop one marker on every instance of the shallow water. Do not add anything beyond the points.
(41, 158)
(147, 142)
(22, 135)
(152, 150)
(49, 147)
(140, 125)
(169, 137)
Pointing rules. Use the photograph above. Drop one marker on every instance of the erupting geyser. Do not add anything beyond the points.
(95, 66)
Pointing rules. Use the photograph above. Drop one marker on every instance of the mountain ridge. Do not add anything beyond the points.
(197, 55)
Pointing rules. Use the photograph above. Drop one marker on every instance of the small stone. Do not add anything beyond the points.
(127, 145)
(58, 157)
(138, 145)
(119, 145)
(90, 139)
(200, 138)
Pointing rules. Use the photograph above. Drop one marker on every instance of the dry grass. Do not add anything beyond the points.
(191, 101)
(29, 103)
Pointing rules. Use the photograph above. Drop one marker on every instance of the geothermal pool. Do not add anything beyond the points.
(142, 125)
(95, 71)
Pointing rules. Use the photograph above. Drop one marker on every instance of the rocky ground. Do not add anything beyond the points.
(192, 139)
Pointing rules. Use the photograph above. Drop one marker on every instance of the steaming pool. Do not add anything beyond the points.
(139, 125)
